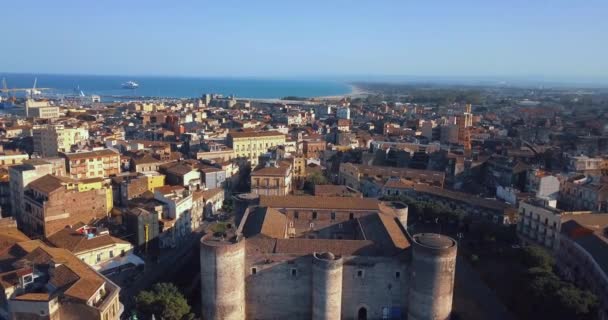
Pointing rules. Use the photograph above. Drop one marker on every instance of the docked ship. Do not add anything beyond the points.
(130, 85)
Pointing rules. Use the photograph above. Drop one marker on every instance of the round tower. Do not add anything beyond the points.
(241, 203)
(326, 286)
(222, 277)
(398, 209)
(432, 277)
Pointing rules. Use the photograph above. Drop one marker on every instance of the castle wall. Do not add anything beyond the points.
(377, 288)
(274, 293)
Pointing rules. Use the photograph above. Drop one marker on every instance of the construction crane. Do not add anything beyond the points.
(33, 91)
(28, 91)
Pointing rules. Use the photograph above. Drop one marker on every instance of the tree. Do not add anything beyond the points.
(316, 178)
(537, 257)
(163, 300)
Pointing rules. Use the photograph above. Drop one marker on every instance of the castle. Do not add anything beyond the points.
(306, 257)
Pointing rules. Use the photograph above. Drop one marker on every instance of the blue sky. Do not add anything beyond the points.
(551, 39)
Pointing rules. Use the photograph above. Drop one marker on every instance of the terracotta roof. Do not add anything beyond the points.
(34, 297)
(91, 154)
(239, 134)
(76, 242)
(208, 194)
(265, 221)
(9, 235)
(46, 184)
(463, 197)
(167, 189)
(281, 171)
(313, 202)
(89, 281)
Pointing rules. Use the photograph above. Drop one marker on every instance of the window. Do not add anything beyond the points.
(333, 216)
(397, 275)
(111, 253)
(314, 215)
(360, 273)
(294, 272)
(351, 216)
(296, 215)
(254, 270)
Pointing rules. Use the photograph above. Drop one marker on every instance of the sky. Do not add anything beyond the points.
(552, 39)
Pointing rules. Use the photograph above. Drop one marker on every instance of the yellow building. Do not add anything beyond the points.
(92, 184)
(299, 168)
(155, 181)
(251, 145)
(11, 158)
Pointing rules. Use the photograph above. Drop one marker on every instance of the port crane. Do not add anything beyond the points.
(28, 91)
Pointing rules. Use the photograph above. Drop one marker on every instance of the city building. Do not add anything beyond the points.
(584, 193)
(272, 180)
(40, 282)
(51, 202)
(10, 158)
(353, 175)
(92, 164)
(20, 176)
(251, 145)
(540, 222)
(95, 246)
(176, 219)
(49, 140)
(581, 257)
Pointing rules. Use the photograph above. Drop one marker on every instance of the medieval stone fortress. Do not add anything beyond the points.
(325, 258)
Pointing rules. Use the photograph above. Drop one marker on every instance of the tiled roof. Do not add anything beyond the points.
(91, 154)
(46, 184)
(238, 134)
(312, 202)
(88, 282)
(76, 242)
(265, 221)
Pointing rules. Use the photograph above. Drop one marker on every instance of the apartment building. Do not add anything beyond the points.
(20, 176)
(50, 203)
(540, 222)
(272, 180)
(41, 282)
(10, 158)
(92, 164)
(251, 145)
(353, 175)
(49, 140)
(95, 246)
(177, 217)
(584, 193)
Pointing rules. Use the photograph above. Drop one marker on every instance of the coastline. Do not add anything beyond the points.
(354, 93)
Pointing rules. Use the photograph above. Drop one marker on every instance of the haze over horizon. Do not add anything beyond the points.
(366, 40)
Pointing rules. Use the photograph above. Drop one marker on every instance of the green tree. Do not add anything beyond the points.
(164, 300)
(537, 257)
(316, 178)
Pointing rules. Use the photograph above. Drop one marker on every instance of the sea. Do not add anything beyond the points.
(109, 87)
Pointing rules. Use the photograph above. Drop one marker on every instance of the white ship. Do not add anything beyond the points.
(130, 85)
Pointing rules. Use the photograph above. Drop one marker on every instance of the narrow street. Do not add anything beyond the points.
(169, 262)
